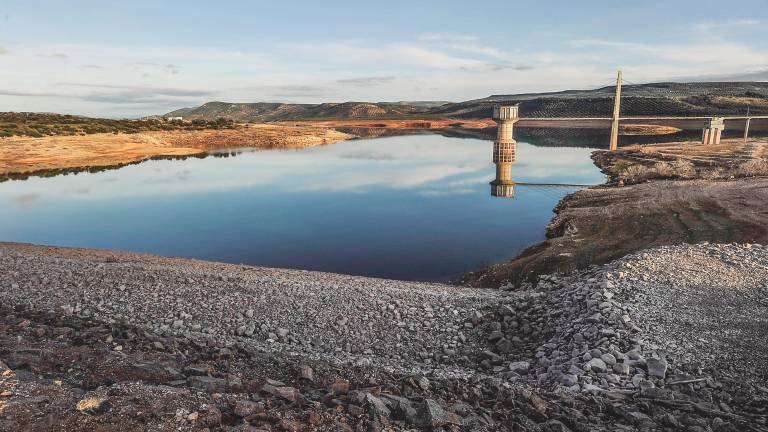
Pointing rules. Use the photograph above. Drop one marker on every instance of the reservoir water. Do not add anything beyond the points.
(415, 207)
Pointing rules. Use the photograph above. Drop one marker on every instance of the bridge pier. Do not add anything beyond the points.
(713, 131)
(504, 151)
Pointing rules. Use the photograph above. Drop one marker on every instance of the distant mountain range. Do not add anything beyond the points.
(656, 99)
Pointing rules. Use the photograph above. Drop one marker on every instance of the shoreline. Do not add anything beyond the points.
(655, 195)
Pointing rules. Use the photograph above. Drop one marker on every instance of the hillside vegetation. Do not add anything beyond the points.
(657, 99)
(38, 125)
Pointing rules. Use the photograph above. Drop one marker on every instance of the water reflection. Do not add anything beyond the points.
(404, 207)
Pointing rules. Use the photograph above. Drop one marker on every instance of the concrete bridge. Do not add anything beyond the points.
(711, 126)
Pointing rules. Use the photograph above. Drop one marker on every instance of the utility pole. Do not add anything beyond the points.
(746, 126)
(616, 111)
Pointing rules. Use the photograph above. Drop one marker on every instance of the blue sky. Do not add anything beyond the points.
(118, 58)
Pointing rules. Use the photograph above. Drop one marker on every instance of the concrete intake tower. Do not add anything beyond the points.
(504, 151)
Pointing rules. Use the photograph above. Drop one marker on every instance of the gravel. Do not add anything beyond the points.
(414, 327)
(668, 337)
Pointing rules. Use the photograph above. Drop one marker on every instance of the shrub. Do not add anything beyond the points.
(754, 167)
(662, 169)
(683, 168)
(635, 173)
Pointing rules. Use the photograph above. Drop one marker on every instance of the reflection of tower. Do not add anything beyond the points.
(504, 149)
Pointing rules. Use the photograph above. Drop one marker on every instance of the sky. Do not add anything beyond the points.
(135, 58)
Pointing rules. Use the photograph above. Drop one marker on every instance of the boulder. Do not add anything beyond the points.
(429, 414)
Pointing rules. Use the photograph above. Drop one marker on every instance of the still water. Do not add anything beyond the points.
(406, 207)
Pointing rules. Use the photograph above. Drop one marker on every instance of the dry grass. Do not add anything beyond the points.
(753, 168)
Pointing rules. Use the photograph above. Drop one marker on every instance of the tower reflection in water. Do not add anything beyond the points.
(504, 151)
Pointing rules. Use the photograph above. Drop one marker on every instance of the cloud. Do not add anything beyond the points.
(447, 37)
(299, 91)
(435, 59)
(23, 93)
(285, 91)
(120, 94)
(366, 81)
(54, 55)
(411, 54)
(91, 66)
(758, 75)
(671, 61)
(734, 23)
(169, 68)
(142, 89)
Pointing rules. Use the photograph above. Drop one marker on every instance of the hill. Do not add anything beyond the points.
(265, 111)
(655, 99)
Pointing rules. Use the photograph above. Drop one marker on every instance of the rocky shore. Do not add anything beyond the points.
(671, 338)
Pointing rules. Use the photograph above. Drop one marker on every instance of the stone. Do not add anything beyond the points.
(376, 407)
(210, 417)
(505, 346)
(400, 407)
(285, 392)
(290, 426)
(621, 368)
(657, 367)
(596, 365)
(429, 414)
(246, 408)
(307, 373)
(569, 380)
(93, 405)
(340, 387)
(555, 426)
(208, 384)
(609, 359)
(641, 419)
(520, 367)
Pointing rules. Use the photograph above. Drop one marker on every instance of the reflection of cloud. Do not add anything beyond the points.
(426, 164)
(27, 199)
(368, 155)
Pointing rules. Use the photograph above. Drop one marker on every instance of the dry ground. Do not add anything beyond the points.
(28, 155)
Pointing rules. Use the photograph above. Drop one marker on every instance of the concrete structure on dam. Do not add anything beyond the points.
(504, 151)
(713, 131)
